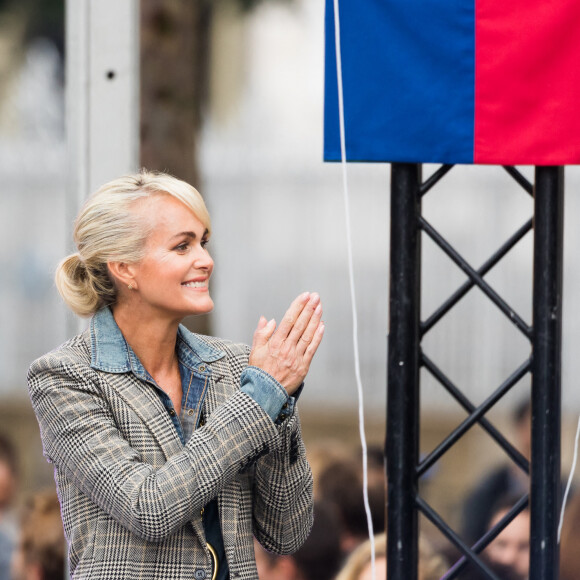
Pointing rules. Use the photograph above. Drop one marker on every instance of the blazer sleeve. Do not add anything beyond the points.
(282, 478)
(81, 437)
(283, 497)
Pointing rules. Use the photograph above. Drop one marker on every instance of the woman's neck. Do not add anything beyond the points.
(152, 338)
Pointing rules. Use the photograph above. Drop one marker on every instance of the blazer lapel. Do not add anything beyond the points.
(146, 403)
(221, 387)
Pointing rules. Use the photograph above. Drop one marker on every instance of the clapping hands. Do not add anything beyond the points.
(287, 351)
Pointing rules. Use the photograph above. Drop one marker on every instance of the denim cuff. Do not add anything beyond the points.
(268, 393)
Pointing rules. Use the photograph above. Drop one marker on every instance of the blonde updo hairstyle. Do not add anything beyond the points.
(107, 229)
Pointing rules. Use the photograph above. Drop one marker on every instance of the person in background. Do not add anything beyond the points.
(359, 564)
(319, 558)
(171, 450)
(41, 550)
(340, 482)
(570, 540)
(510, 550)
(8, 523)
(504, 480)
(377, 485)
(508, 555)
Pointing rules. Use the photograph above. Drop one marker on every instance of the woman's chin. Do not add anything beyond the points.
(201, 308)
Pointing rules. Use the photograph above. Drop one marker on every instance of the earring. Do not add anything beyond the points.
(130, 286)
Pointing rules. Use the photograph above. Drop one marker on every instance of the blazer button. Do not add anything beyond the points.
(199, 574)
(172, 412)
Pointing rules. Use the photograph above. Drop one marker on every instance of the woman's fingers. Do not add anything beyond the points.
(314, 343)
(263, 332)
(309, 332)
(296, 321)
(303, 320)
(286, 352)
(290, 318)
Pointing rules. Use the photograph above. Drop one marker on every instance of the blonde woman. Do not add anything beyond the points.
(359, 567)
(170, 449)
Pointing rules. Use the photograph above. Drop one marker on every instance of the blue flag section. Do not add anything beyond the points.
(408, 76)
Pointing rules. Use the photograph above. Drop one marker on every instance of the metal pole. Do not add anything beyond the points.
(102, 99)
(402, 442)
(546, 372)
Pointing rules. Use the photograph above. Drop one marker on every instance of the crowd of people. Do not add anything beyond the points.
(32, 545)
(339, 548)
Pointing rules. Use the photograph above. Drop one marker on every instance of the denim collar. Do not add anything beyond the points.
(111, 353)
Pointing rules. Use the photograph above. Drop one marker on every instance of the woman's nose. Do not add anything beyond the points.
(203, 260)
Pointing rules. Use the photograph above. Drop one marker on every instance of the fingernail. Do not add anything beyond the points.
(321, 328)
(305, 295)
(318, 309)
(315, 298)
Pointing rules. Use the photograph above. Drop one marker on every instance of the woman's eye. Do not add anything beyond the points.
(204, 243)
(182, 247)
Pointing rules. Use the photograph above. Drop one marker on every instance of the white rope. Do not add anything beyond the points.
(352, 285)
(570, 478)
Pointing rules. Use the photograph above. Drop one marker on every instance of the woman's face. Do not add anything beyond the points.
(172, 278)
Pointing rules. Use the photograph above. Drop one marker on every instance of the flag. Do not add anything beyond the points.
(455, 81)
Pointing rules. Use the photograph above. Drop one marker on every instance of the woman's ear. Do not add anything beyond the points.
(123, 274)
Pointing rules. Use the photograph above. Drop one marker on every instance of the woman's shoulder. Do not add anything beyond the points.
(216, 346)
(229, 347)
(75, 351)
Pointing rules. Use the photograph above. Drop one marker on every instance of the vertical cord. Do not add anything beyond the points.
(352, 286)
(570, 478)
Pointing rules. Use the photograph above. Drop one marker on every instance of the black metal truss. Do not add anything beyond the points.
(405, 358)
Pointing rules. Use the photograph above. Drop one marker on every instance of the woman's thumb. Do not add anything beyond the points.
(263, 332)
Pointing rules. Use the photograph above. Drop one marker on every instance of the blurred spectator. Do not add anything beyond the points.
(319, 557)
(359, 566)
(502, 572)
(508, 555)
(511, 548)
(8, 527)
(505, 480)
(40, 554)
(341, 483)
(570, 541)
(377, 480)
(323, 453)
(432, 565)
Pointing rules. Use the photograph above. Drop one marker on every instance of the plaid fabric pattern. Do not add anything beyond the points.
(131, 494)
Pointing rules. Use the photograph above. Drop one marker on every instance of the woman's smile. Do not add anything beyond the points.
(197, 284)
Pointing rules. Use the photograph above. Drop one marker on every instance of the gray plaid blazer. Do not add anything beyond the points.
(131, 493)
